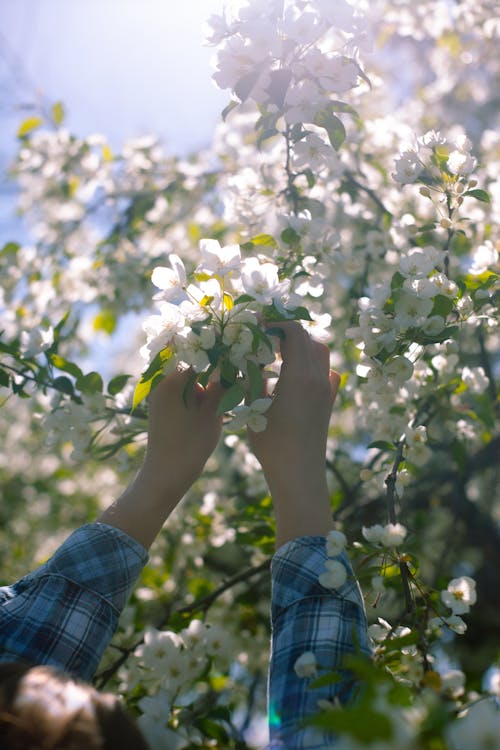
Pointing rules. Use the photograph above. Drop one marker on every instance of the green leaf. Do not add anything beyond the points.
(90, 383)
(105, 321)
(266, 240)
(228, 373)
(333, 126)
(64, 384)
(213, 730)
(259, 336)
(290, 237)
(65, 365)
(4, 379)
(360, 722)
(297, 133)
(150, 376)
(278, 86)
(103, 452)
(397, 281)
(481, 195)
(300, 313)
(265, 135)
(144, 388)
(232, 397)
(256, 380)
(9, 348)
(338, 106)
(311, 179)
(10, 248)
(58, 113)
(232, 104)
(59, 326)
(204, 377)
(156, 365)
(326, 679)
(317, 208)
(141, 391)
(442, 305)
(28, 125)
(382, 445)
(244, 298)
(245, 85)
(117, 384)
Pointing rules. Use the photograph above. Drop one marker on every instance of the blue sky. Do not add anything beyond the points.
(121, 67)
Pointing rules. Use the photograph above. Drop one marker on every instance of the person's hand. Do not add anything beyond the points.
(292, 448)
(181, 437)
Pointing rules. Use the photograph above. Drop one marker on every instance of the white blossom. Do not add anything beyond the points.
(408, 167)
(335, 543)
(36, 341)
(479, 728)
(484, 257)
(171, 281)
(460, 595)
(306, 665)
(252, 416)
(373, 534)
(335, 575)
(393, 534)
(475, 379)
(218, 260)
(261, 281)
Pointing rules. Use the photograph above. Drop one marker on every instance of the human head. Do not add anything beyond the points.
(42, 707)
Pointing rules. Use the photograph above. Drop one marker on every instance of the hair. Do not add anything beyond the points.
(42, 708)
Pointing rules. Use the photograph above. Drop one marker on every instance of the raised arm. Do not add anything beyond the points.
(181, 438)
(307, 617)
(292, 448)
(65, 612)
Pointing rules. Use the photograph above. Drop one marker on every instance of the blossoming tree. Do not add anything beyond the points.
(338, 192)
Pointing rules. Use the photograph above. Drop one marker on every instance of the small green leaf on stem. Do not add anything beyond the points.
(117, 384)
(90, 383)
(333, 126)
(256, 380)
(232, 397)
(480, 195)
(57, 113)
(32, 123)
(65, 365)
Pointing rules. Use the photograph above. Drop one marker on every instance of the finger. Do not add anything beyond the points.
(212, 395)
(322, 354)
(334, 383)
(294, 345)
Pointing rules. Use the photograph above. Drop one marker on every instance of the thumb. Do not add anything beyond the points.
(212, 395)
(334, 383)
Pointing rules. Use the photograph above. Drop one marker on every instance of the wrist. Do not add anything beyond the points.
(301, 508)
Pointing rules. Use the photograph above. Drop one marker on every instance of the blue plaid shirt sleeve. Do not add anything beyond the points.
(65, 612)
(305, 616)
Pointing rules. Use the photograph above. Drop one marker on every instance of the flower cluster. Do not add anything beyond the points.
(390, 535)
(166, 665)
(220, 325)
(293, 60)
(430, 155)
(289, 55)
